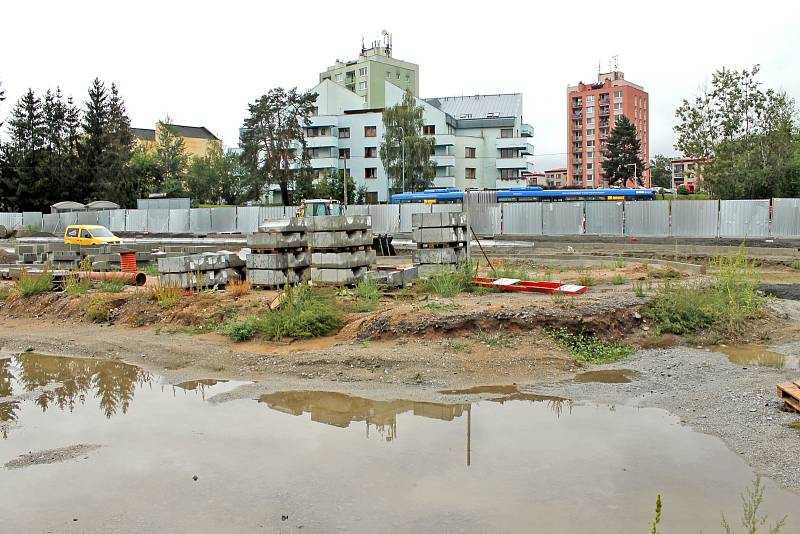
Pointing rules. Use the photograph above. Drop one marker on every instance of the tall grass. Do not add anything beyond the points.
(34, 283)
(449, 283)
(167, 295)
(75, 285)
(304, 313)
(367, 294)
(724, 306)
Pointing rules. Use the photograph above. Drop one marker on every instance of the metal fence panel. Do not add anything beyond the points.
(290, 211)
(406, 210)
(744, 218)
(223, 219)
(786, 217)
(32, 219)
(649, 218)
(522, 218)
(603, 218)
(178, 204)
(86, 217)
(271, 212)
(695, 218)
(179, 221)
(10, 220)
(157, 221)
(200, 220)
(117, 223)
(446, 208)
(361, 209)
(562, 218)
(485, 219)
(104, 218)
(50, 222)
(247, 220)
(135, 220)
(385, 218)
(65, 219)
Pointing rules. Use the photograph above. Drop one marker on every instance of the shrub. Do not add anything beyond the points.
(585, 279)
(587, 348)
(75, 285)
(795, 265)
(167, 295)
(33, 284)
(151, 270)
(99, 308)
(111, 286)
(241, 329)
(638, 289)
(238, 289)
(449, 283)
(619, 263)
(618, 280)
(683, 190)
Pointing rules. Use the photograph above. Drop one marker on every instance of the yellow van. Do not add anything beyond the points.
(89, 234)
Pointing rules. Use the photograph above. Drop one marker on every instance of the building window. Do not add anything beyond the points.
(589, 154)
(344, 133)
(344, 153)
(469, 173)
(362, 86)
(469, 152)
(505, 133)
(398, 75)
(370, 131)
(371, 172)
(506, 153)
(589, 99)
(372, 197)
(370, 152)
(618, 105)
(590, 142)
(617, 95)
(590, 121)
(589, 166)
(429, 129)
(339, 77)
(364, 98)
(590, 132)
(388, 74)
(508, 174)
(362, 71)
(590, 110)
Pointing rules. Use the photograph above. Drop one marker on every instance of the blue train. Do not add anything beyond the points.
(452, 195)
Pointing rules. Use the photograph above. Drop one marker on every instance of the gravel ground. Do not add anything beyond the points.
(714, 396)
(782, 291)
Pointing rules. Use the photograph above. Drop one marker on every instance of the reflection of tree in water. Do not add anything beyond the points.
(114, 382)
(8, 410)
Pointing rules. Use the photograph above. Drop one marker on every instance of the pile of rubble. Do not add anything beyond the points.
(201, 271)
(442, 241)
(278, 254)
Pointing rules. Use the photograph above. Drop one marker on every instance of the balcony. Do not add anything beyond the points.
(526, 130)
(445, 139)
(604, 112)
(324, 163)
(322, 141)
(444, 161)
(523, 143)
(511, 163)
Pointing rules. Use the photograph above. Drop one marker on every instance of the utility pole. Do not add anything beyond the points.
(344, 178)
(403, 156)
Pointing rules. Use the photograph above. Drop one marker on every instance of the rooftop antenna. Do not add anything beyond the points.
(363, 48)
(615, 62)
(599, 68)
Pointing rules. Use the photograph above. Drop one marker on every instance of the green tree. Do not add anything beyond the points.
(361, 195)
(402, 125)
(274, 142)
(746, 136)
(94, 143)
(2, 98)
(171, 158)
(331, 185)
(120, 185)
(145, 172)
(661, 171)
(23, 183)
(622, 154)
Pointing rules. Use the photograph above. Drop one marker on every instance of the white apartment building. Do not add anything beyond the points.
(480, 140)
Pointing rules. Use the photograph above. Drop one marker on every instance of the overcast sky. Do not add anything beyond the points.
(201, 62)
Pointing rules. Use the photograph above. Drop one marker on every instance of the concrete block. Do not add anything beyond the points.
(440, 235)
(205, 279)
(286, 260)
(354, 238)
(27, 257)
(65, 255)
(207, 261)
(338, 276)
(439, 255)
(272, 278)
(342, 260)
(438, 220)
(263, 240)
(336, 223)
(288, 225)
(394, 277)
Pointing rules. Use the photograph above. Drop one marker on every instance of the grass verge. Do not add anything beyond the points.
(586, 348)
(74, 285)
(448, 284)
(33, 284)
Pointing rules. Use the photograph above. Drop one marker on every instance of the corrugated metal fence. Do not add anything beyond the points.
(691, 218)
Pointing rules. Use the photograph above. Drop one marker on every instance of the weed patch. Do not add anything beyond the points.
(151, 270)
(99, 308)
(458, 346)
(795, 425)
(74, 285)
(167, 296)
(498, 339)
(587, 348)
(448, 284)
(238, 289)
(638, 289)
(33, 284)
(618, 280)
(111, 286)
(440, 306)
(795, 265)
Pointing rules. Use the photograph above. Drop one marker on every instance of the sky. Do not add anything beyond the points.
(202, 62)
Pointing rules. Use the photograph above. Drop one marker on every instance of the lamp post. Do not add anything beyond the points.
(344, 177)
(403, 156)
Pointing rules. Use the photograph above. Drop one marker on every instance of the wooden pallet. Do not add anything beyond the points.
(283, 250)
(789, 392)
(451, 244)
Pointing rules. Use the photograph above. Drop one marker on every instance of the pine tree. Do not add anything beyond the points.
(119, 185)
(622, 154)
(22, 184)
(94, 144)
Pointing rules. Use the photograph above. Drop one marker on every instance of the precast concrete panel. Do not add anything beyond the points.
(179, 221)
(603, 218)
(647, 218)
(200, 220)
(562, 218)
(695, 218)
(786, 217)
(407, 210)
(223, 220)
(744, 218)
(522, 218)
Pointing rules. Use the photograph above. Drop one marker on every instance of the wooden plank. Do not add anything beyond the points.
(789, 392)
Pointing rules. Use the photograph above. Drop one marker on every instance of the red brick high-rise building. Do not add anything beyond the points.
(592, 109)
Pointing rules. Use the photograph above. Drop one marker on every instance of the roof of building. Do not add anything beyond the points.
(561, 169)
(195, 132)
(479, 106)
(145, 134)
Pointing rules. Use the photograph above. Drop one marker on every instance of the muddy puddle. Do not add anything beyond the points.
(328, 461)
(759, 356)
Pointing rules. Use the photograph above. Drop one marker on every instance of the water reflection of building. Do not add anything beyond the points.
(65, 382)
(340, 409)
(198, 386)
